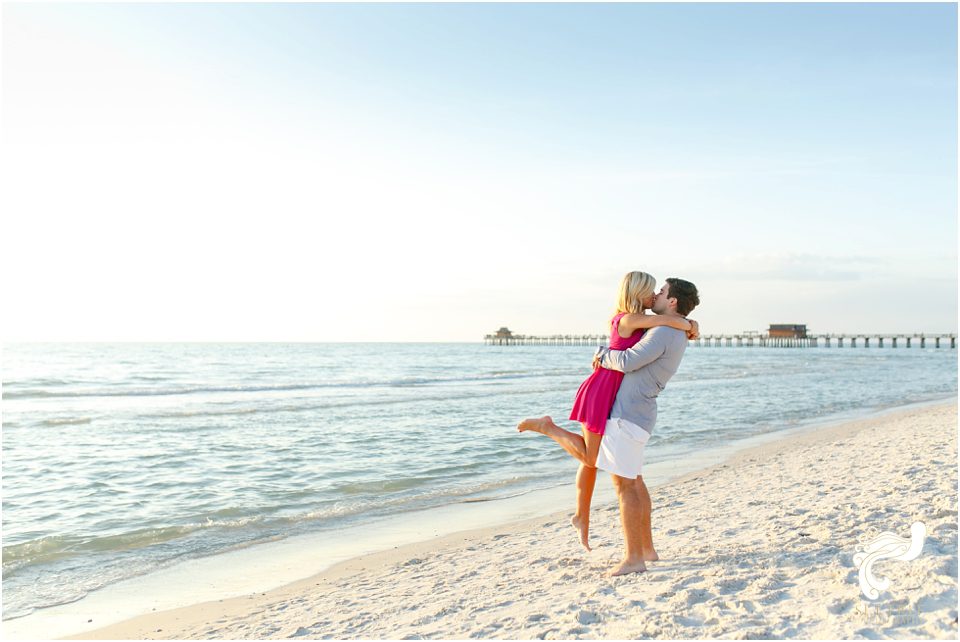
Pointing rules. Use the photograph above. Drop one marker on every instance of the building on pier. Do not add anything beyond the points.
(787, 331)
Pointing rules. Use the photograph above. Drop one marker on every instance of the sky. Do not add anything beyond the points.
(311, 172)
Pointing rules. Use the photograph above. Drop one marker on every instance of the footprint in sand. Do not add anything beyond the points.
(746, 606)
(693, 579)
(838, 606)
(760, 633)
(587, 617)
(693, 596)
(726, 587)
(773, 598)
(687, 621)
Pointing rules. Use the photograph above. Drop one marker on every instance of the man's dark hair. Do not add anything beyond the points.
(685, 293)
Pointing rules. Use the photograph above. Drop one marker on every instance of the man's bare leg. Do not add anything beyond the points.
(569, 441)
(646, 533)
(630, 520)
(586, 481)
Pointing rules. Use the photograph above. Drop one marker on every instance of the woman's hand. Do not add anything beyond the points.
(694, 332)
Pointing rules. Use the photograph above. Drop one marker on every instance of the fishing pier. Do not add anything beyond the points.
(776, 337)
(828, 341)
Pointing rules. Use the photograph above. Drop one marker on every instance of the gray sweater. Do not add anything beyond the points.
(647, 368)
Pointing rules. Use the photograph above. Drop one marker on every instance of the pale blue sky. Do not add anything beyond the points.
(432, 172)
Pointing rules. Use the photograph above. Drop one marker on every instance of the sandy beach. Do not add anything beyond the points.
(758, 547)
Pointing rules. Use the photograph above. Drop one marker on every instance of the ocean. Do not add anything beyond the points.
(123, 459)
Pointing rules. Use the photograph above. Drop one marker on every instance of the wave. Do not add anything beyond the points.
(437, 474)
(476, 500)
(382, 485)
(227, 412)
(53, 547)
(352, 499)
(375, 505)
(66, 421)
(34, 393)
(39, 381)
(120, 391)
(24, 564)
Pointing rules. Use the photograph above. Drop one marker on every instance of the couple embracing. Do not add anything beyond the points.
(617, 405)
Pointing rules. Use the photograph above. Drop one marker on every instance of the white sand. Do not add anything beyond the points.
(760, 547)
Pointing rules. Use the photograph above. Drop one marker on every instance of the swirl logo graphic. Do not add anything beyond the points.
(886, 545)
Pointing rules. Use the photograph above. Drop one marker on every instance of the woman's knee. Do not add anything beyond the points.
(591, 441)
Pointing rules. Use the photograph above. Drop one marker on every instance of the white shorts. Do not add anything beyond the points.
(621, 451)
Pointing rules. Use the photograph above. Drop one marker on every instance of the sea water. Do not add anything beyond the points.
(122, 459)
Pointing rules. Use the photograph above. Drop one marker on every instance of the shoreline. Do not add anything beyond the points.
(166, 623)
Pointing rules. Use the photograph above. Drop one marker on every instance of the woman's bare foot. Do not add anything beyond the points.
(650, 556)
(536, 425)
(583, 528)
(627, 566)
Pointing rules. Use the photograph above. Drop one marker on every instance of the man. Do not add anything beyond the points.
(647, 368)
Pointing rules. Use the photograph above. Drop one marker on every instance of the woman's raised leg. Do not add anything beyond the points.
(586, 481)
(569, 441)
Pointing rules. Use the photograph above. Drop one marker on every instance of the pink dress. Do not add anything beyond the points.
(596, 395)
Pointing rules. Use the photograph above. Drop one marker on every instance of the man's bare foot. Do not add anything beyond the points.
(651, 556)
(536, 425)
(583, 528)
(627, 567)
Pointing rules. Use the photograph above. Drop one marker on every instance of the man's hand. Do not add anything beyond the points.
(694, 332)
(596, 358)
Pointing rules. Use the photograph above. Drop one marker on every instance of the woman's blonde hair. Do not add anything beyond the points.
(634, 288)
